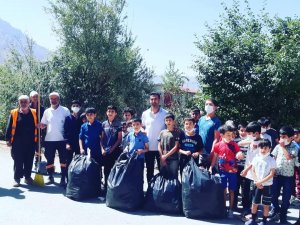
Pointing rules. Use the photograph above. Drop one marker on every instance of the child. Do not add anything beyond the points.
(128, 114)
(137, 141)
(196, 114)
(111, 141)
(190, 143)
(90, 136)
(227, 151)
(264, 123)
(168, 147)
(263, 170)
(286, 156)
(253, 130)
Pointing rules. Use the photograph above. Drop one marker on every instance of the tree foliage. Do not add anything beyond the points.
(250, 64)
(97, 62)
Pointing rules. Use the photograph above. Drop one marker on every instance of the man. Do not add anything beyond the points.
(35, 104)
(21, 134)
(54, 119)
(153, 121)
(72, 127)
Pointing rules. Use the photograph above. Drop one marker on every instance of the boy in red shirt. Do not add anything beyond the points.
(227, 152)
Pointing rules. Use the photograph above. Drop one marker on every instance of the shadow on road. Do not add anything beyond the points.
(13, 192)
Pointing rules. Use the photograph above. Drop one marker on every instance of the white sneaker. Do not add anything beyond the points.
(230, 214)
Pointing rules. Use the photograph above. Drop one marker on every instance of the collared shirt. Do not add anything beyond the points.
(135, 142)
(207, 128)
(55, 119)
(111, 131)
(154, 123)
(90, 134)
(285, 167)
(251, 153)
(263, 167)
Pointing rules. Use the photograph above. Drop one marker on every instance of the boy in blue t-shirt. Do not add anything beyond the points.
(190, 144)
(137, 141)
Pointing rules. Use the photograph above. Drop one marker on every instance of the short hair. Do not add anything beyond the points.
(253, 127)
(264, 143)
(296, 130)
(54, 93)
(225, 128)
(155, 94)
(195, 110)
(112, 107)
(76, 102)
(287, 130)
(136, 120)
(170, 115)
(23, 97)
(83, 115)
(242, 125)
(129, 110)
(190, 119)
(90, 110)
(263, 121)
(214, 101)
(33, 93)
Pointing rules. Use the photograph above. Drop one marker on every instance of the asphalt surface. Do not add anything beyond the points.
(32, 205)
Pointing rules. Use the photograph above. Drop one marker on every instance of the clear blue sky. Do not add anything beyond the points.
(164, 29)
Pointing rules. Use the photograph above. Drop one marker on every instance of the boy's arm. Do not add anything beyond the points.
(246, 170)
(271, 174)
(81, 146)
(146, 149)
(173, 150)
(287, 155)
(213, 162)
(117, 142)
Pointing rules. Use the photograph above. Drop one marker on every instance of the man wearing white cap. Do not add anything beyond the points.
(35, 104)
(54, 119)
(21, 134)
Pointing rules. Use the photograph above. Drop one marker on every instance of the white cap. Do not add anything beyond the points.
(23, 97)
(33, 93)
(54, 94)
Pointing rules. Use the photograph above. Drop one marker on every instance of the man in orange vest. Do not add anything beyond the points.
(21, 135)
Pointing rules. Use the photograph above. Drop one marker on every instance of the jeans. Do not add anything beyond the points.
(287, 184)
(150, 157)
(170, 170)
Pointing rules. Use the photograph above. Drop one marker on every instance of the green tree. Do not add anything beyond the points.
(172, 83)
(97, 62)
(249, 64)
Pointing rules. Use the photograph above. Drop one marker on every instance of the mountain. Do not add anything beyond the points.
(12, 38)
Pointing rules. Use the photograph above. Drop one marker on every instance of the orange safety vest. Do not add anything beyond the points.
(14, 114)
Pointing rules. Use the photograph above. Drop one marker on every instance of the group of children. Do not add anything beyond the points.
(252, 158)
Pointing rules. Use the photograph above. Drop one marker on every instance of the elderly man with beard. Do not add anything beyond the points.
(54, 119)
(21, 134)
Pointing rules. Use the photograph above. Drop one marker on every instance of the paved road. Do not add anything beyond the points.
(29, 205)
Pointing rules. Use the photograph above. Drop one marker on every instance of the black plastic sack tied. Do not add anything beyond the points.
(202, 193)
(164, 194)
(125, 184)
(84, 178)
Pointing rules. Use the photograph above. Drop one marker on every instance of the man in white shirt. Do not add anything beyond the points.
(153, 122)
(54, 119)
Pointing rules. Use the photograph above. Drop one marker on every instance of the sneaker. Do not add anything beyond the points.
(62, 182)
(29, 181)
(251, 222)
(16, 183)
(50, 180)
(230, 214)
(245, 215)
(275, 217)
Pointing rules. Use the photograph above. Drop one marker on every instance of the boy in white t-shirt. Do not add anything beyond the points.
(263, 170)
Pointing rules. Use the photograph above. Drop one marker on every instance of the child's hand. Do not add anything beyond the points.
(163, 157)
(239, 156)
(188, 153)
(259, 185)
(195, 154)
(210, 170)
(140, 151)
(253, 145)
(82, 151)
(243, 173)
(103, 152)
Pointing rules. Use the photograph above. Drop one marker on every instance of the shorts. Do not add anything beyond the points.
(261, 196)
(229, 180)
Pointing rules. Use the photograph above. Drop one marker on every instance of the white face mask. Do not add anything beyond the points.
(189, 131)
(226, 141)
(264, 155)
(263, 130)
(286, 142)
(209, 109)
(75, 109)
(250, 137)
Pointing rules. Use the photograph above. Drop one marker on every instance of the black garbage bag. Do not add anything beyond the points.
(164, 195)
(202, 193)
(84, 179)
(125, 184)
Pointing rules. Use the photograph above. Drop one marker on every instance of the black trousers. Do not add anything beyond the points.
(75, 150)
(150, 157)
(50, 150)
(22, 154)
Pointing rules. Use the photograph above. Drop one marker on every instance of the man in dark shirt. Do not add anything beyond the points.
(21, 134)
